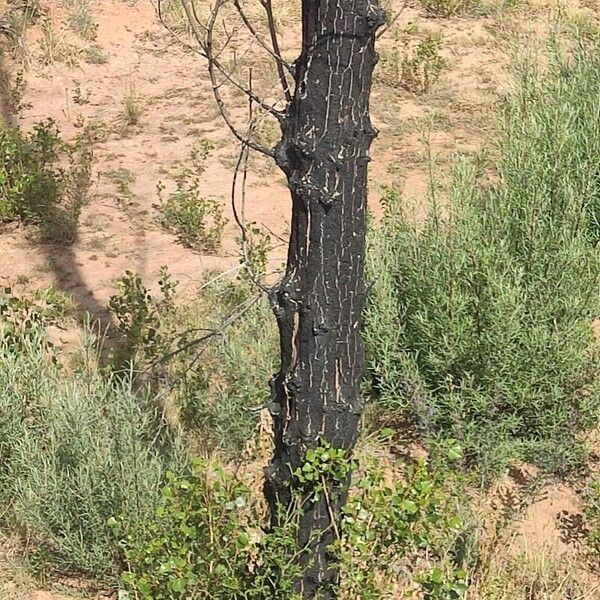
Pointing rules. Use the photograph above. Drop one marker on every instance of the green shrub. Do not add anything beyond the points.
(205, 540)
(141, 319)
(75, 450)
(254, 246)
(222, 383)
(413, 64)
(478, 324)
(199, 353)
(197, 544)
(197, 220)
(81, 20)
(43, 180)
(407, 530)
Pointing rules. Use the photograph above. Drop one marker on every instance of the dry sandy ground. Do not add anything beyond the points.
(119, 231)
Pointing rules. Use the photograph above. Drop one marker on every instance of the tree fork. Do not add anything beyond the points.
(324, 153)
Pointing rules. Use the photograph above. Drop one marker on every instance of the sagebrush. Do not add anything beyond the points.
(479, 323)
(77, 449)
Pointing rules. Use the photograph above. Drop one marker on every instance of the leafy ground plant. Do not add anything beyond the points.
(197, 220)
(206, 541)
(43, 180)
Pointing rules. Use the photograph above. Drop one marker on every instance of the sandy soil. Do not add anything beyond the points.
(119, 233)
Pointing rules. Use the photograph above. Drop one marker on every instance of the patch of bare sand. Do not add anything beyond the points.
(177, 109)
(533, 541)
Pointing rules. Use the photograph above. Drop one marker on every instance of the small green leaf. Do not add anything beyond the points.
(436, 575)
(386, 433)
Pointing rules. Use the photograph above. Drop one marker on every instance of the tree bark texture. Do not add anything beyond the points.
(324, 153)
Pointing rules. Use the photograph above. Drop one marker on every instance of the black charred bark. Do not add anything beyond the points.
(324, 154)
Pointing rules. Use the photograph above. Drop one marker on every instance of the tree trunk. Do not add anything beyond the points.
(324, 154)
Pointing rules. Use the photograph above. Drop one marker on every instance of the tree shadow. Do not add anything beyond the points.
(69, 279)
(573, 528)
(6, 104)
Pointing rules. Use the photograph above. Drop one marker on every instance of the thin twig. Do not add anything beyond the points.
(273, 31)
(393, 20)
(233, 316)
(242, 164)
(208, 49)
(259, 39)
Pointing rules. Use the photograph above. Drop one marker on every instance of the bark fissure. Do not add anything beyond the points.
(324, 153)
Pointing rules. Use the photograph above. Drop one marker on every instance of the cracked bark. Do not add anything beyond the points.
(324, 154)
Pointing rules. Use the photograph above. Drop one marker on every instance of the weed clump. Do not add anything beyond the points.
(43, 180)
(414, 64)
(206, 539)
(197, 220)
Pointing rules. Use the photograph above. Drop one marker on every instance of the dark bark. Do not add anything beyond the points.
(324, 154)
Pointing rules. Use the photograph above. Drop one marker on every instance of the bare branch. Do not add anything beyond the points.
(229, 320)
(194, 21)
(393, 20)
(264, 105)
(242, 164)
(206, 43)
(273, 31)
(175, 35)
(259, 39)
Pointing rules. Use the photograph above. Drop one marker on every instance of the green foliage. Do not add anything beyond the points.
(200, 353)
(75, 450)
(448, 8)
(197, 220)
(132, 107)
(220, 395)
(196, 547)
(421, 65)
(479, 320)
(443, 583)
(141, 318)
(95, 54)
(323, 464)
(173, 12)
(391, 529)
(200, 154)
(17, 93)
(22, 316)
(122, 179)
(414, 64)
(205, 540)
(255, 245)
(35, 184)
(21, 15)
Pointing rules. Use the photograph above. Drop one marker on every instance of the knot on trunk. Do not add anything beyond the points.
(376, 16)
